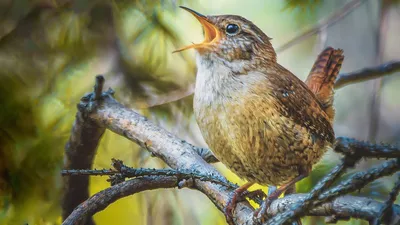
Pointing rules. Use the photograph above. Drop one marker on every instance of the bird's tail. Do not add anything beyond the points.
(322, 78)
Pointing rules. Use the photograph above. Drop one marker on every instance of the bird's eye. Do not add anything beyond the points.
(232, 29)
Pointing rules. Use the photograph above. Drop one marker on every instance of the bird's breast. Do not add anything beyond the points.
(250, 130)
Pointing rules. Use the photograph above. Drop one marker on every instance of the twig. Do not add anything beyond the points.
(352, 147)
(179, 173)
(355, 182)
(321, 186)
(104, 198)
(359, 180)
(344, 145)
(98, 87)
(327, 22)
(386, 212)
(367, 74)
(79, 154)
(88, 172)
(171, 96)
(129, 172)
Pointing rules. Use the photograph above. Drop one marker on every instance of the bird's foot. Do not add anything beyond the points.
(260, 215)
(256, 195)
(236, 196)
(230, 206)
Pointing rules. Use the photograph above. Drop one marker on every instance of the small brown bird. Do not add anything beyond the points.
(259, 119)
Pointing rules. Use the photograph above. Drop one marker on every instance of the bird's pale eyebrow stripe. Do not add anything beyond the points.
(253, 34)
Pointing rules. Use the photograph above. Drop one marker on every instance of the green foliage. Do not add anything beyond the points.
(303, 5)
(31, 154)
(49, 54)
(305, 10)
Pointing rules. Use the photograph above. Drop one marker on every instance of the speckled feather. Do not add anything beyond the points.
(258, 118)
(323, 75)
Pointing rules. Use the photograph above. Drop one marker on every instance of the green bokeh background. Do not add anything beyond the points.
(50, 51)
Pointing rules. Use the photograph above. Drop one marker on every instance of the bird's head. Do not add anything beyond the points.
(231, 38)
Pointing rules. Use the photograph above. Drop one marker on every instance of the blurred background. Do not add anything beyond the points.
(51, 50)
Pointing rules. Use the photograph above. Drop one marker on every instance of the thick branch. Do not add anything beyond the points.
(354, 148)
(79, 154)
(104, 198)
(179, 154)
(367, 74)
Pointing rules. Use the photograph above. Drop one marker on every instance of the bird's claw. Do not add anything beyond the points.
(230, 206)
(234, 199)
(254, 195)
(260, 215)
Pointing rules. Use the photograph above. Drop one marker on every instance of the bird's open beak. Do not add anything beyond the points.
(211, 33)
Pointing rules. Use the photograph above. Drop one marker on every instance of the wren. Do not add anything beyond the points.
(259, 119)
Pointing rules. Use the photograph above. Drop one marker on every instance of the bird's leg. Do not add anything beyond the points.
(290, 190)
(260, 213)
(271, 189)
(230, 206)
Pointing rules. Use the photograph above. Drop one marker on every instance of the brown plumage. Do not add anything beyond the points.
(322, 77)
(259, 119)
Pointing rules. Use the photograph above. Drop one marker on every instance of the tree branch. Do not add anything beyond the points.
(104, 198)
(342, 207)
(98, 87)
(184, 177)
(129, 172)
(355, 182)
(354, 148)
(367, 74)
(79, 154)
(311, 197)
(360, 179)
(178, 154)
(387, 209)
